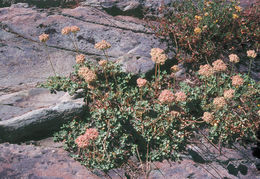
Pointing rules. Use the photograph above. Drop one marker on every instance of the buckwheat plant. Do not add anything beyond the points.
(68, 30)
(232, 114)
(133, 115)
(44, 38)
(204, 30)
(252, 55)
(159, 57)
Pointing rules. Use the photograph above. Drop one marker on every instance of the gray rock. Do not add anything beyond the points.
(119, 7)
(35, 113)
(137, 8)
(38, 3)
(135, 64)
(49, 160)
(24, 60)
(28, 161)
(18, 103)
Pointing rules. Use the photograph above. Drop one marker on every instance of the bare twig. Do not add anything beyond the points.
(138, 155)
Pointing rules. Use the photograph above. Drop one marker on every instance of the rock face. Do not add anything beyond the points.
(28, 161)
(48, 160)
(35, 113)
(136, 8)
(114, 7)
(18, 103)
(24, 60)
(39, 3)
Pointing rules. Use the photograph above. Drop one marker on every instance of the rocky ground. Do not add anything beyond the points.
(45, 159)
(27, 112)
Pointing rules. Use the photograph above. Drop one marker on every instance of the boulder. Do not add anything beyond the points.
(136, 8)
(135, 64)
(35, 113)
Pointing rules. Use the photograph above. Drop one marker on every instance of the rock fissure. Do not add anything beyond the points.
(8, 29)
(107, 25)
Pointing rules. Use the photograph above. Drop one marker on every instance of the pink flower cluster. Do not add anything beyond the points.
(166, 96)
(175, 68)
(103, 45)
(180, 96)
(68, 29)
(80, 59)
(158, 56)
(83, 141)
(141, 82)
(74, 29)
(228, 94)
(88, 75)
(102, 63)
(208, 117)
(233, 58)
(206, 70)
(44, 37)
(219, 66)
(237, 80)
(251, 53)
(219, 102)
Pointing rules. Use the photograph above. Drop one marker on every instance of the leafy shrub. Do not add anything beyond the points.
(130, 120)
(202, 30)
(237, 120)
(155, 119)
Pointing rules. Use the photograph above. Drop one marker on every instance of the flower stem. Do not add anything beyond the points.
(106, 77)
(158, 80)
(50, 59)
(155, 74)
(232, 69)
(72, 39)
(250, 65)
(141, 94)
(105, 54)
(174, 81)
(76, 44)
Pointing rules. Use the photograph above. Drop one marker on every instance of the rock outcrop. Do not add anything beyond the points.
(28, 161)
(40, 3)
(46, 159)
(24, 60)
(36, 113)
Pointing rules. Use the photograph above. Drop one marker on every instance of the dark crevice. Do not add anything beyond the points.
(8, 29)
(137, 12)
(107, 25)
(90, 40)
(41, 3)
(50, 31)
